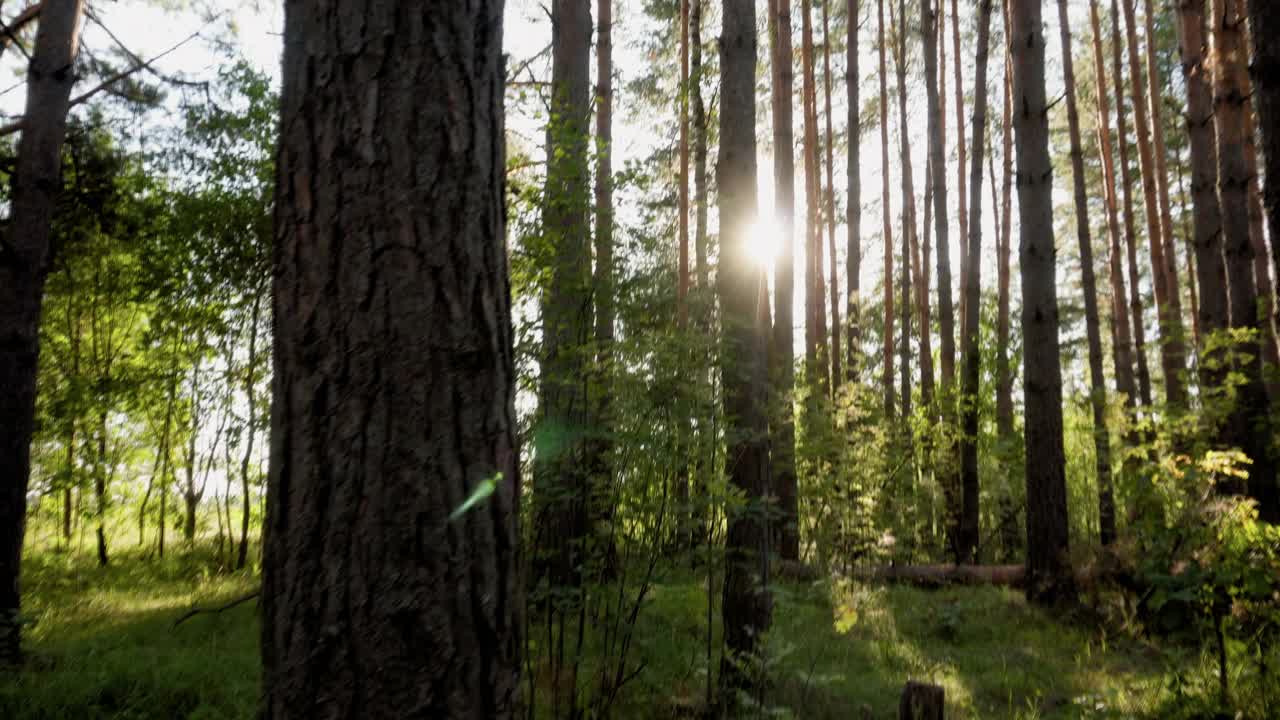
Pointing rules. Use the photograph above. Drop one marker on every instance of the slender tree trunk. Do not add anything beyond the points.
(747, 606)
(1167, 311)
(1122, 347)
(561, 476)
(1049, 578)
(967, 538)
(783, 455)
(682, 283)
(815, 283)
(1155, 84)
(1130, 233)
(1089, 286)
(251, 421)
(936, 119)
(1009, 539)
(886, 216)
(1250, 424)
(962, 155)
(837, 374)
(910, 233)
(364, 569)
(853, 255)
(24, 259)
(702, 269)
(1264, 23)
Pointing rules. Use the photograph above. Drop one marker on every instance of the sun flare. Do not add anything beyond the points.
(762, 241)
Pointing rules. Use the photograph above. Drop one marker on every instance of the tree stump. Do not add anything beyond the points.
(921, 702)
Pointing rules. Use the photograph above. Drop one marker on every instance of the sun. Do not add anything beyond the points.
(762, 241)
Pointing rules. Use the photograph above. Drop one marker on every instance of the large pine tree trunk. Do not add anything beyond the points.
(1048, 564)
(1264, 23)
(1249, 426)
(1258, 238)
(394, 375)
(1089, 285)
(561, 477)
(967, 538)
(747, 608)
(24, 262)
(1122, 345)
(782, 355)
(853, 257)
(1130, 232)
(1167, 306)
(886, 216)
(962, 155)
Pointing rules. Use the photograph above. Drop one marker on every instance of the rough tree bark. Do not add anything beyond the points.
(1048, 565)
(747, 607)
(782, 355)
(24, 264)
(394, 378)
(1249, 426)
(1089, 286)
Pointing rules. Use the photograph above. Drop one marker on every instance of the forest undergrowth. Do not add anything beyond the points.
(103, 644)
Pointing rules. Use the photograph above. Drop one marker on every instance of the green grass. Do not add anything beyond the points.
(102, 644)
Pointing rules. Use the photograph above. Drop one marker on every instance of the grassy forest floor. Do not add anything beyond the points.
(102, 643)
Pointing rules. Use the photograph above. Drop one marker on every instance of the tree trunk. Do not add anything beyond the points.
(1206, 212)
(910, 234)
(1048, 564)
(682, 281)
(1155, 83)
(1249, 426)
(1258, 238)
(922, 702)
(962, 190)
(1122, 347)
(1167, 307)
(1264, 23)
(699, 144)
(886, 216)
(1009, 535)
(781, 357)
(746, 608)
(1089, 286)
(1130, 233)
(561, 477)
(837, 375)
(815, 300)
(967, 537)
(930, 10)
(251, 423)
(854, 251)
(24, 261)
(367, 581)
